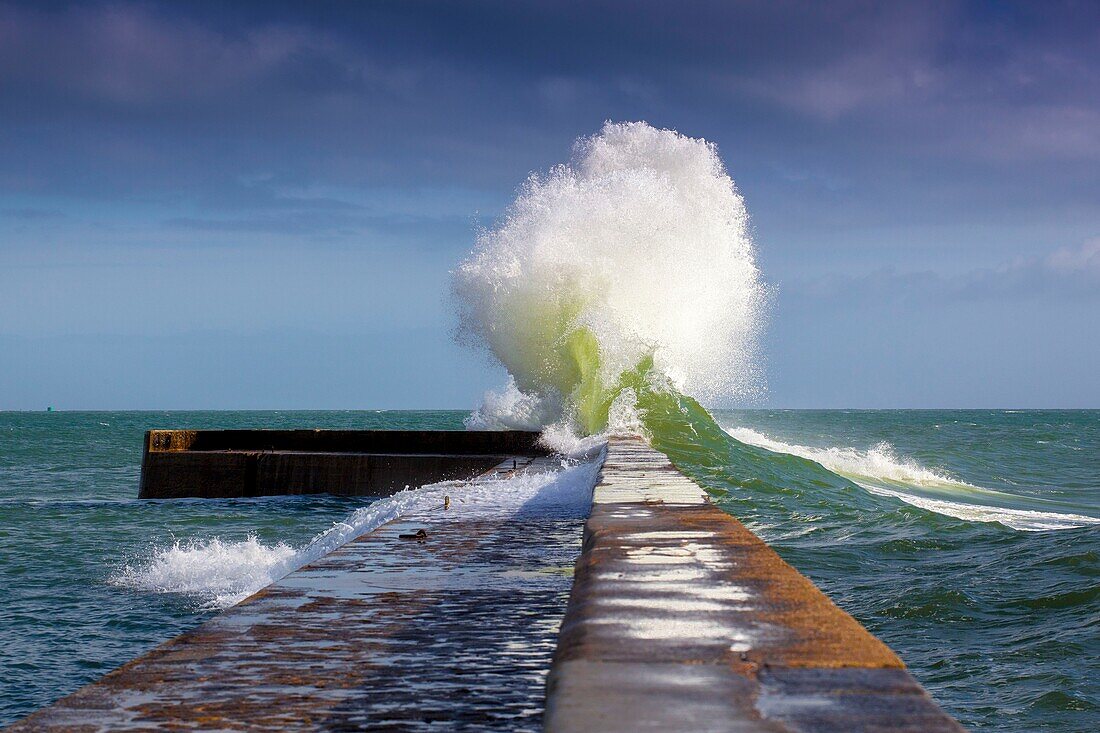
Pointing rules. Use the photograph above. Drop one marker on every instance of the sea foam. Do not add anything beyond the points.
(639, 249)
(221, 573)
(880, 470)
(880, 462)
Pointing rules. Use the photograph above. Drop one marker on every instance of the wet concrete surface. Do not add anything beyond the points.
(680, 619)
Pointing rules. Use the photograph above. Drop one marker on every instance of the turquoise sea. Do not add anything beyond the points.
(969, 541)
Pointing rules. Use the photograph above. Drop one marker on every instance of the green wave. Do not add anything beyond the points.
(686, 432)
(679, 426)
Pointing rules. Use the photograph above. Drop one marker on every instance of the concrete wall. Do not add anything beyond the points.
(245, 463)
(477, 442)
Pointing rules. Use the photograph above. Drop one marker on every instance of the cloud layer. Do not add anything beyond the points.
(888, 152)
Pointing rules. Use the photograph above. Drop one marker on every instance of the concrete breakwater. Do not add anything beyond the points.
(678, 618)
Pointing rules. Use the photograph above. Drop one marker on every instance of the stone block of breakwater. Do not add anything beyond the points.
(244, 463)
(680, 619)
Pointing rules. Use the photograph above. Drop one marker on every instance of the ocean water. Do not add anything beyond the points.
(90, 576)
(969, 541)
(1000, 623)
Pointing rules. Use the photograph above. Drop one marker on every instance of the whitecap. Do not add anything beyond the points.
(881, 471)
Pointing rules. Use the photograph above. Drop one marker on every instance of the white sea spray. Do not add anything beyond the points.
(637, 249)
(220, 573)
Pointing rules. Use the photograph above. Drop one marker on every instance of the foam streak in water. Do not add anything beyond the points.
(880, 462)
(881, 471)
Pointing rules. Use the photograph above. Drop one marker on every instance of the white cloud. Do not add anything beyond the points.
(1067, 272)
(1083, 260)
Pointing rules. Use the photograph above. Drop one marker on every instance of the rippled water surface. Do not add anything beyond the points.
(966, 540)
(70, 522)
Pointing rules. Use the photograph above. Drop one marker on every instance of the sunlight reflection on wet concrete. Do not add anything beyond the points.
(680, 619)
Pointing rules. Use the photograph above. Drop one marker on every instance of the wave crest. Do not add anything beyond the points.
(879, 470)
(881, 462)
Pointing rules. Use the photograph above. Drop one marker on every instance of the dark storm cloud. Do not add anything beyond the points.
(120, 96)
(878, 112)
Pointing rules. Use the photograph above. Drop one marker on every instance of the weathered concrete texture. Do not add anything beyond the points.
(680, 619)
(454, 631)
(242, 463)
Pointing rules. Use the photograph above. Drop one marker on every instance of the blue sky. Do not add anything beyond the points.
(258, 206)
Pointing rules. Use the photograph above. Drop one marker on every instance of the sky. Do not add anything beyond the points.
(236, 206)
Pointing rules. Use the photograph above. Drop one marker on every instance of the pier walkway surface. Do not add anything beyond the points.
(678, 619)
(681, 619)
